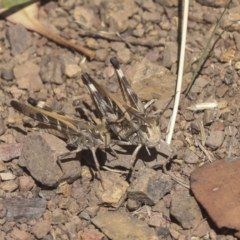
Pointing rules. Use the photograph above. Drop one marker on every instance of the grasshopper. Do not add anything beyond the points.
(127, 118)
(79, 133)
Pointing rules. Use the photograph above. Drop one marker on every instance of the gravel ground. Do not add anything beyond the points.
(196, 197)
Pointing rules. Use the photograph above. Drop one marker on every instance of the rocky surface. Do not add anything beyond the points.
(42, 199)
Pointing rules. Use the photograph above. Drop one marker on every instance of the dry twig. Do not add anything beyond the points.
(114, 37)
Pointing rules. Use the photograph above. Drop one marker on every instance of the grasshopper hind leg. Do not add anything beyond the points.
(93, 150)
(133, 161)
(134, 156)
(113, 152)
(65, 155)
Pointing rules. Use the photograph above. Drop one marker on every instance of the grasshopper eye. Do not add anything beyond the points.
(76, 102)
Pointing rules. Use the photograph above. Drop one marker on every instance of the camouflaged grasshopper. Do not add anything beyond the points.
(79, 133)
(127, 118)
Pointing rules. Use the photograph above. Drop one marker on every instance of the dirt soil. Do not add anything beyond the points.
(196, 197)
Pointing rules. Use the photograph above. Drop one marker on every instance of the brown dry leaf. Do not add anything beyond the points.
(27, 16)
(216, 186)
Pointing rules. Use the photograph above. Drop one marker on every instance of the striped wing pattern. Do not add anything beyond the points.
(79, 133)
(84, 134)
(110, 108)
(127, 119)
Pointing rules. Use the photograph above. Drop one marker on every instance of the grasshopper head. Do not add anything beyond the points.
(100, 132)
(153, 131)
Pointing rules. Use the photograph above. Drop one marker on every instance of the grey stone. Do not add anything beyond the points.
(19, 38)
(149, 186)
(185, 210)
(24, 208)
